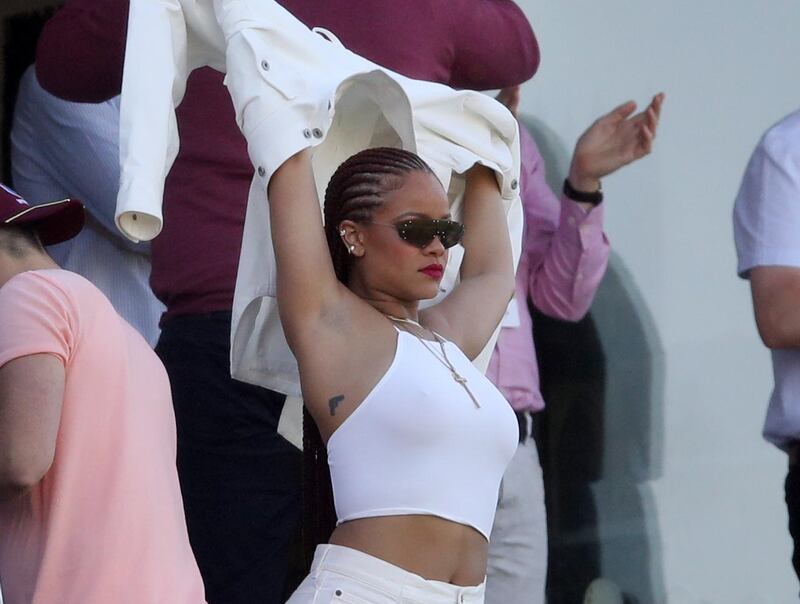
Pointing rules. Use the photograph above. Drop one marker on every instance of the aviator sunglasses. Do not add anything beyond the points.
(419, 232)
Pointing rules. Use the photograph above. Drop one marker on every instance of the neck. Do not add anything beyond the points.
(385, 303)
(396, 310)
(11, 266)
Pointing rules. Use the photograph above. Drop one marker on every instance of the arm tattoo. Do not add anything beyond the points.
(334, 402)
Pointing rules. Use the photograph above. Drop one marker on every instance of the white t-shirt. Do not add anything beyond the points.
(766, 228)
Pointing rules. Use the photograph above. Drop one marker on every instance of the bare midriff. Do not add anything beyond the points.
(429, 546)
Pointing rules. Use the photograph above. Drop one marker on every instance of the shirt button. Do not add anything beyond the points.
(307, 133)
(261, 171)
(317, 133)
(579, 276)
(265, 65)
(571, 221)
(338, 592)
(514, 185)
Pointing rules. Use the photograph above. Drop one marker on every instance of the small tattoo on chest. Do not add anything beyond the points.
(334, 402)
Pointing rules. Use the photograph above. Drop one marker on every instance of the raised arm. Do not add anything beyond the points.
(565, 248)
(493, 45)
(470, 314)
(568, 260)
(81, 50)
(307, 285)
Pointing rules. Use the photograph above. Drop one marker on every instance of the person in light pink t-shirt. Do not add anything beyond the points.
(90, 507)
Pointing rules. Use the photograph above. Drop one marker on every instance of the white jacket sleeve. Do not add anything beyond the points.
(153, 84)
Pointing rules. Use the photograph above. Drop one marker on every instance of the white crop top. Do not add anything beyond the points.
(418, 444)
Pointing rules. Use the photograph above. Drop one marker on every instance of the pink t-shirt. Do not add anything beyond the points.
(105, 524)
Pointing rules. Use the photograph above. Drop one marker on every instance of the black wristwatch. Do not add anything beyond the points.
(595, 197)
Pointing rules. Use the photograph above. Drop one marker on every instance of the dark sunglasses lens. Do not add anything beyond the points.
(417, 232)
(450, 233)
(421, 232)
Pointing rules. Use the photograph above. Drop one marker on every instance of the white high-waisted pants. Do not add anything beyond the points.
(348, 576)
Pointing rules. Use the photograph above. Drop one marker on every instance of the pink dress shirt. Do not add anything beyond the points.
(564, 257)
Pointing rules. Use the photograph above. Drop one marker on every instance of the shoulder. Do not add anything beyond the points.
(782, 141)
(60, 290)
(53, 282)
(40, 314)
(774, 165)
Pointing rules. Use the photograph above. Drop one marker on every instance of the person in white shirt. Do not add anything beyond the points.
(766, 228)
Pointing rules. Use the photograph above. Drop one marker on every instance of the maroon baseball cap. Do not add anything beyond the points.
(54, 222)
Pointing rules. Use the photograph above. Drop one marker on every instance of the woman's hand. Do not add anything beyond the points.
(612, 141)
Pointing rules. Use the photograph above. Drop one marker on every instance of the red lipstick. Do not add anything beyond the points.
(434, 271)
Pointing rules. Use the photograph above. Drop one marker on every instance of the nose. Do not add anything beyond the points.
(435, 247)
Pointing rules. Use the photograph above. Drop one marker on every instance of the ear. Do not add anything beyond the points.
(352, 237)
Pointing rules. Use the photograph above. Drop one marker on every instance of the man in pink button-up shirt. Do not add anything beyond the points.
(564, 257)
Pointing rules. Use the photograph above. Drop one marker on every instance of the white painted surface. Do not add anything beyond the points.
(729, 69)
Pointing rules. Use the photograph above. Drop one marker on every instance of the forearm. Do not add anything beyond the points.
(81, 50)
(776, 292)
(31, 396)
(305, 278)
(564, 279)
(486, 241)
(779, 327)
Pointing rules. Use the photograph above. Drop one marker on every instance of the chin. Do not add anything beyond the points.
(429, 292)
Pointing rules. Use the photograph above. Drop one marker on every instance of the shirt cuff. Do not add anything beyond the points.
(138, 213)
(581, 227)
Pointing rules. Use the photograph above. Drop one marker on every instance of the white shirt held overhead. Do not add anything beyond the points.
(292, 88)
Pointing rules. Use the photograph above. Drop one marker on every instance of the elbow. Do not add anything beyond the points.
(556, 307)
(573, 315)
(774, 338)
(570, 315)
(18, 475)
(11, 489)
(773, 333)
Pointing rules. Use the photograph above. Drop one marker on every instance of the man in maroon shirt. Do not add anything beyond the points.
(240, 479)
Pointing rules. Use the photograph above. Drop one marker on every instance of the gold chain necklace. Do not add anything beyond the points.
(459, 379)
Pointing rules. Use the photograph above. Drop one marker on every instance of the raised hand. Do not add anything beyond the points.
(612, 141)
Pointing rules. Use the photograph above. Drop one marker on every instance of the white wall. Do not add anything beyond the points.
(730, 70)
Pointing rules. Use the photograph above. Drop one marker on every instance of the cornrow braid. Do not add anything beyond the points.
(358, 186)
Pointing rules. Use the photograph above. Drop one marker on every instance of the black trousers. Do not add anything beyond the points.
(240, 480)
(792, 489)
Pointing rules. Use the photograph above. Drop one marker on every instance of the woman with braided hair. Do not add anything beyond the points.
(417, 439)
